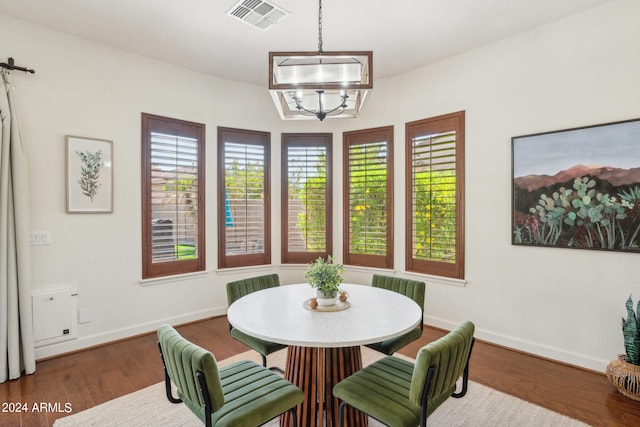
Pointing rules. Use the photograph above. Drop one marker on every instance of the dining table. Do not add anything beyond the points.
(323, 342)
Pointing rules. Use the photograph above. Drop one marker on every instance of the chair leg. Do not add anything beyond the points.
(294, 417)
(204, 394)
(167, 380)
(465, 375)
(424, 405)
(272, 368)
(341, 410)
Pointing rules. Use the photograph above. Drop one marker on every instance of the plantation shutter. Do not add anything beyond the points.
(306, 198)
(434, 197)
(173, 204)
(436, 222)
(368, 198)
(244, 178)
(244, 193)
(174, 174)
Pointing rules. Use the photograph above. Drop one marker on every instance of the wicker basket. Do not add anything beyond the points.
(625, 376)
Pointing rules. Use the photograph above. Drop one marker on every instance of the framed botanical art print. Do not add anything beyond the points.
(578, 188)
(89, 175)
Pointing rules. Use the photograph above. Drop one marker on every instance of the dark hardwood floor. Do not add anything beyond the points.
(74, 382)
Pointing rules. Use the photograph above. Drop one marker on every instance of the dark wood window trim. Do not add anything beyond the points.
(440, 156)
(301, 141)
(261, 255)
(151, 265)
(366, 138)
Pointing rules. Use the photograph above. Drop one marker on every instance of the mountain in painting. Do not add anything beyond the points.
(616, 177)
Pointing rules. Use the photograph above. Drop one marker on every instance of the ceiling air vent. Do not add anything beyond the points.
(257, 13)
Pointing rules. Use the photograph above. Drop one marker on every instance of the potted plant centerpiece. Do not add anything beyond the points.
(624, 372)
(325, 277)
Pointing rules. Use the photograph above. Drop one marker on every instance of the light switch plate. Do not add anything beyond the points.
(40, 238)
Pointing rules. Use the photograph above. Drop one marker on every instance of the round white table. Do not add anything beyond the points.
(324, 346)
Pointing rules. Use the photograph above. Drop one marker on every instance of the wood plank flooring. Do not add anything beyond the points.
(75, 382)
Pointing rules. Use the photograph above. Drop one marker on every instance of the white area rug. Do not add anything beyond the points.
(482, 406)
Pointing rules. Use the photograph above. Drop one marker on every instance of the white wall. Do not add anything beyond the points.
(563, 304)
(87, 89)
(560, 303)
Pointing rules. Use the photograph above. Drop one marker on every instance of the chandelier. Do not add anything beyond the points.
(310, 85)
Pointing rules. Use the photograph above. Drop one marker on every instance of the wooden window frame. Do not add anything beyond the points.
(153, 123)
(440, 124)
(361, 137)
(302, 140)
(248, 137)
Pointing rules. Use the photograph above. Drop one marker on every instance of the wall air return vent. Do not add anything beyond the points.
(257, 13)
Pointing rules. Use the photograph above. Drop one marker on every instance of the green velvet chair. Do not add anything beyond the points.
(240, 288)
(241, 394)
(399, 393)
(411, 288)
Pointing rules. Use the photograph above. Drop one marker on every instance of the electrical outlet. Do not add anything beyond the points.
(84, 315)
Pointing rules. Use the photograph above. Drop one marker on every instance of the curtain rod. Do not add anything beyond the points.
(10, 66)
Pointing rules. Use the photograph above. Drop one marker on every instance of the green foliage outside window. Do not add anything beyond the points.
(244, 186)
(314, 217)
(244, 181)
(434, 228)
(182, 192)
(434, 216)
(311, 191)
(367, 187)
(368, 208)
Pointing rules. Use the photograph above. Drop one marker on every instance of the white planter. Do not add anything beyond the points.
(327, 299)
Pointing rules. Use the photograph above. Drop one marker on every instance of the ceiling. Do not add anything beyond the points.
(198, 34)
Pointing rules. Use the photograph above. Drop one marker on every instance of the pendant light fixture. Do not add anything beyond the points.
(317, 85)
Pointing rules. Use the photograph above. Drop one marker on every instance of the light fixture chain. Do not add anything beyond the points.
(319, 26)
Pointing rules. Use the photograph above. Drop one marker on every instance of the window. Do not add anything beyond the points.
(244, 198)
(173, 225)
(368, 197)
(435, 195)
(306, 197)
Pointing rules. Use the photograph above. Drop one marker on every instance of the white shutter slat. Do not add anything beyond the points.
(174, 192)
(307, 188)
(367, 181)
(244, 185)
(434, 186)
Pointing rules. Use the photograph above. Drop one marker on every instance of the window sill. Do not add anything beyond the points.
(370, 269)
(170, 279)
(440, 280)
(234, 270)
(427, 278)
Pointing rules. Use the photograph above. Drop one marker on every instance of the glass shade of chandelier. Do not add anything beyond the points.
(317, 85)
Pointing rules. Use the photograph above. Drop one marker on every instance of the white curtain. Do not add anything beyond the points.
(16, 330)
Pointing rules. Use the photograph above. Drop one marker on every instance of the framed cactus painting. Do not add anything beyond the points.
(89, 175)
(578, 188)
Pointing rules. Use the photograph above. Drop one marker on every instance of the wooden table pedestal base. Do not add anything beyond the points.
(316, 371)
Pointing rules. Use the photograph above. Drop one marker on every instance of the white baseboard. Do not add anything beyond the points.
(534, 348)
(102, 338)
(549, 352)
